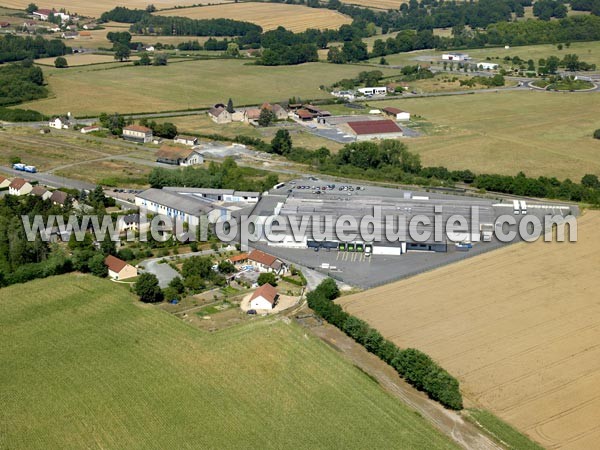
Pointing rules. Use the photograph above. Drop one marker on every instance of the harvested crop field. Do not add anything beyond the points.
(95, 9)
(83, 364)
(519, 327)
(268, 15)
(377, 4)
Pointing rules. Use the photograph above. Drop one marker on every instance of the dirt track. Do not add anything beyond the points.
(520, 328)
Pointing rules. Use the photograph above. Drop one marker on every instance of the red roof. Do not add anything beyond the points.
(266, 291)
(115, 264)
(262, 258)
(238, 258)
(375, 127)
(45, 12)
(392, 110)
(2, 179)
(139, 128)
(18, 183)
(304, 114)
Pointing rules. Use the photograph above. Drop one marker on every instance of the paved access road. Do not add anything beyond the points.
(49, 180)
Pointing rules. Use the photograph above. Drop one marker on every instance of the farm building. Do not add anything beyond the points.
(220, 115)
(90, 129)
(304, 115)
(41, 192)
(186, 140)
(119, 269)
(4, 182)
(396, 113)
(19, 186)
(42, 14)
(278, 111)
(178, 156)
(70, 35)
(263, 262)
(455, 57)
(374, 129)
(265, 297)
(137, 133)
(487, 66)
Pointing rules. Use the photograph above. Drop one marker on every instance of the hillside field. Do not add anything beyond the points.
(182, 85)
(84, 365)
(268, 15)
(96, 8)
(519, 327)
(539, 133)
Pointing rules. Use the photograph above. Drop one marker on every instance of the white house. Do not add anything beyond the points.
(455, 57)
(42, 14)
(41, 192)
(367, 91)
(137, 133)
(487, 66)
(19, 186)
(396, 113)
(263, 262)
(60, 123)
(4, 182)
(265, 297)
(119, 269)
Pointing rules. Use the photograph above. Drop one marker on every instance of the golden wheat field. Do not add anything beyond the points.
(379, 4)
(96, 8)
(268, 15)
(519, 327)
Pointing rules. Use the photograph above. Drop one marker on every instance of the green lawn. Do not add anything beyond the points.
(91, 90)
(587, 51)
(502, 432)
(540, 133)
(83, 365)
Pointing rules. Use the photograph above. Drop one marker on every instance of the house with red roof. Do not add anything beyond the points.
(263, 262)
(4, 182)
(265, 297)
(119, 269)
(19, 186)
(137, 133)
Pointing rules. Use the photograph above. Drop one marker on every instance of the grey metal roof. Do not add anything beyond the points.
(187, 204)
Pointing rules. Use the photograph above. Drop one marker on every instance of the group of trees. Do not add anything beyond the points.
(280, 55)
(166, 130)
(227, 175)
(21, 82)
(17, 48)
(352, 51)
(547, 9)
(413, 365)
(494, 81)
(586, 5)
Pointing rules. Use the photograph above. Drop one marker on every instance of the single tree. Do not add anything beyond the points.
(266, 117)
(230, 108)
(122, 52)
(177, 284)
(597, 134)
(590, 181)
(145, 60)
(282, 142)
(267, 278)
(160, 59)
(97, 266)
(31, 8)
(147, 288)
(61, 63)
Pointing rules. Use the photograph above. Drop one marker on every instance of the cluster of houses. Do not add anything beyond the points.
(20, 187)
(219, 113)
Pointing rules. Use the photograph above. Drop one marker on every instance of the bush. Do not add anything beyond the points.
(21, 115)
(265, 278)
(61, 63)
(597, 134)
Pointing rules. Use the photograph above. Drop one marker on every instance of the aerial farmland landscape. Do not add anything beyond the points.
(301, 224)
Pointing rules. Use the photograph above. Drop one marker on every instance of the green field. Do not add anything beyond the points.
(587, 51)
(91, 90)
(83, 365)
(540, 133)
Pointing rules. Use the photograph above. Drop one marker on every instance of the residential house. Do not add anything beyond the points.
(90, 129)
(252, 114)
(375, 129)
(129, 222)
(264, 298)
(179, 156)
(59, 198)
(90, 26)
(119, 269)
(60, 123)
(279, 112)
(396, 113)
(219, 114)
(186, 140)
(263, 262)
(238, 259)
(19, 186)
(4, 182)
(41, 192)
(42, 14)
(137, 133)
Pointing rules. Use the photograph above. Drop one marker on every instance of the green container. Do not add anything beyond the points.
(350, 247)
(342, 247)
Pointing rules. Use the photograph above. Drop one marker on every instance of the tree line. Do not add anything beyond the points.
(414, 366)
(142, 22)
(17, 48)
